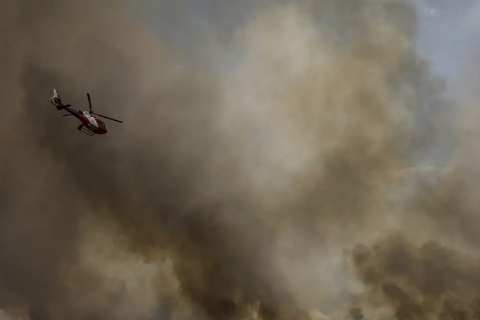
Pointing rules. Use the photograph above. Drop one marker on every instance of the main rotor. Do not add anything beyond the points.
(89, 102)
(91, 110)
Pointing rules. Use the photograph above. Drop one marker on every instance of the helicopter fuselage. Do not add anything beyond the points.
(90, 122)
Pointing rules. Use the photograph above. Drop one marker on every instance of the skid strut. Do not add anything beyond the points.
(86, 131)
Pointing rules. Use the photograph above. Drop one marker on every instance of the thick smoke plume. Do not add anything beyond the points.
(230, 189)
(430, 269)
(429, 281)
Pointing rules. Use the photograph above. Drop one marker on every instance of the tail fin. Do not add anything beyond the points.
(57, 101)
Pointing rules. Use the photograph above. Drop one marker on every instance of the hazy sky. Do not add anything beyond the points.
(271, 173)
(448, 29)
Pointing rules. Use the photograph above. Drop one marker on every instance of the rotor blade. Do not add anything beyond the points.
(89, 101)
(67, 115)
(108, 118)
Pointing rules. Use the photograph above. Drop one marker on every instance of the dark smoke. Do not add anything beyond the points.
(223, 180)
(430, 280)
(429, 271)
(356, 314)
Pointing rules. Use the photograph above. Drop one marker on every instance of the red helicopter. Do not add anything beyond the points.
(91, 125)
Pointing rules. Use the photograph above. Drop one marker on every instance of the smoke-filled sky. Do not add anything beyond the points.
(279, 160)
(447, 30)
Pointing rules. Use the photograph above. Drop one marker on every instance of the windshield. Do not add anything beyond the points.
(102, 123)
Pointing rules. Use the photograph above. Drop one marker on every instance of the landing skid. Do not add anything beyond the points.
(85, 131)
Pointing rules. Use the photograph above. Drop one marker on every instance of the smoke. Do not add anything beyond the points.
(229, 191)
(419, 282)
(429, 270)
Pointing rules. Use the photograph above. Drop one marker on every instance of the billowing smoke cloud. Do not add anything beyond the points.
(420, 282)
(213, 197)
(429, 271)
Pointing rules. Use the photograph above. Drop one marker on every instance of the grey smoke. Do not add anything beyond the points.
(231, 176)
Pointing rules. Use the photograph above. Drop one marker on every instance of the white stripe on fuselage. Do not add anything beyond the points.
(92, 120)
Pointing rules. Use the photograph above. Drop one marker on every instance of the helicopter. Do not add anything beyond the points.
(91, 125)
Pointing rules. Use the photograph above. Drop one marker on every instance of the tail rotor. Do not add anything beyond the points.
(57, 101)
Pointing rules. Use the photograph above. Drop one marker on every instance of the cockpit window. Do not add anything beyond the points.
(102, 123)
